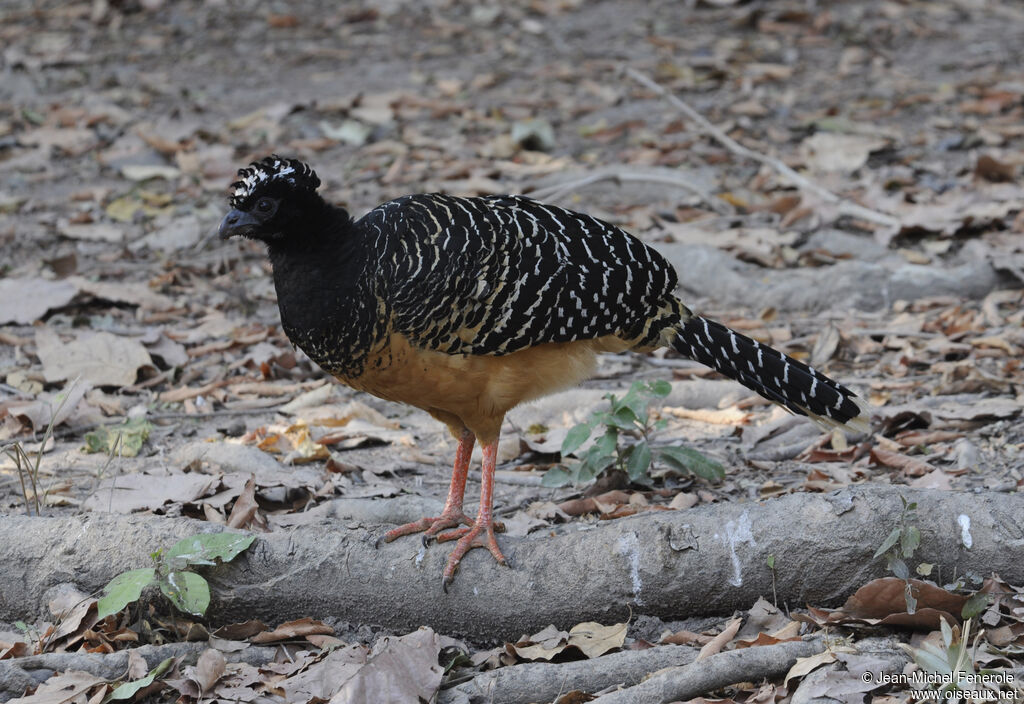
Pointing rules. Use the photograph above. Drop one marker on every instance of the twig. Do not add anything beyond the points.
(177, 415)
(717, 671)
(560, 190)
(872, 332)
(844, 206)
(543, 682)
(511, 478)
(113, 665)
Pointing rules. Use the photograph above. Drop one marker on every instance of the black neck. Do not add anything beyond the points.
(322, 283)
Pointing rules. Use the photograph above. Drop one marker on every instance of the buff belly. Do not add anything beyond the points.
(475, 391)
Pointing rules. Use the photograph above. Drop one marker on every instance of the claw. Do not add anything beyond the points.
(480, 535)
(428, 526)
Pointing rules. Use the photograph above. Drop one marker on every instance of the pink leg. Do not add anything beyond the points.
(452, 514)
(481, 534)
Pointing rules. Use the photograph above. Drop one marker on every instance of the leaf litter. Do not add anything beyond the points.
(182, 339)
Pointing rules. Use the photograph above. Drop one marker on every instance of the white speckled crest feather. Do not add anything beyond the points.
(268, 170)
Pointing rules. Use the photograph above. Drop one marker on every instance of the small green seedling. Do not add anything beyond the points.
(951, 666)
(900, 545)
(770, 561)
(627, 418)
(188, 591)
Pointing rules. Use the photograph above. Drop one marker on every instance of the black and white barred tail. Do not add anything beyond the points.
(770, 373)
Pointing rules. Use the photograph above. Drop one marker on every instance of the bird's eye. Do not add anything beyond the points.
(265, 205)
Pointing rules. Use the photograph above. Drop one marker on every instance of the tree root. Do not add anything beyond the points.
(707, 560)
(717, 671)
(543, 682)
(28, 672)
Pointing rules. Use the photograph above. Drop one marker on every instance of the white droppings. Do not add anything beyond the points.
(737, 532)
(965, 530)
(629, 546)
(421, 554)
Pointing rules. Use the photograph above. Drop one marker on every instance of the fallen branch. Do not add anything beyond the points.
(543, 682)
(844, 206)
(19, 674)
(560, 190)
(884, 657)
(671, 564)
(717, 671)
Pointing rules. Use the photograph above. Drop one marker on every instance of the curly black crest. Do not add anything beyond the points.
(271, 170)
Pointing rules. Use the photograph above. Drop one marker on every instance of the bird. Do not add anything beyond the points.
(466, 307)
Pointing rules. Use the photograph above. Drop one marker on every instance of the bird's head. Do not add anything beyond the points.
(272, 199)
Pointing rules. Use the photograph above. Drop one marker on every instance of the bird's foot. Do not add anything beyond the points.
(479, 535)
(430, 526)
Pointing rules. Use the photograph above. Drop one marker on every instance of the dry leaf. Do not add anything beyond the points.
(179, 233)
(828, 151)
(685, 637)
(97, 231)
(319, 680)
(137, 665)
(140, 492)
(143, 172)
(935, 479)
(521, 523)
(61, 689)
(722, 416)
(716, 644)
(911, 466)
(683, 500)
(804, 666)
(294, 629)
(209, 669)
(883, 601)
(543, 645)
(133, 293)
(398, 670)
(26, 300)
(991, 169)
(244, 511)
(54, 407)
(100, 358)
(594, 640)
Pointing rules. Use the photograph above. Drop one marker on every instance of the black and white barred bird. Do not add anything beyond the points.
(467, 307)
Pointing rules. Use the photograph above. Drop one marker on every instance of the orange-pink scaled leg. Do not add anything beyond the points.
(481, 533)
(452, 514)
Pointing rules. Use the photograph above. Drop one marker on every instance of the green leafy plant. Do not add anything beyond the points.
(900, 545)
(625, 442)
(188, 591)
(127, 690)
(952, 661)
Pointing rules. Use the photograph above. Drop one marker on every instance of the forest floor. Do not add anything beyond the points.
(894, 263)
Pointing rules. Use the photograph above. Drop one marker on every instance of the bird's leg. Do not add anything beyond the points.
(452, 515)
(481, 533)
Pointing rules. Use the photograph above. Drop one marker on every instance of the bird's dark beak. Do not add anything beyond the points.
(237, 222)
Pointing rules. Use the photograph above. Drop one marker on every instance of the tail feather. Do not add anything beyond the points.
(773, 375)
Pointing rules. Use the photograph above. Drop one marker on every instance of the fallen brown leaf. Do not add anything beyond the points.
(911, 466)
(716, 644)
(299, 628)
